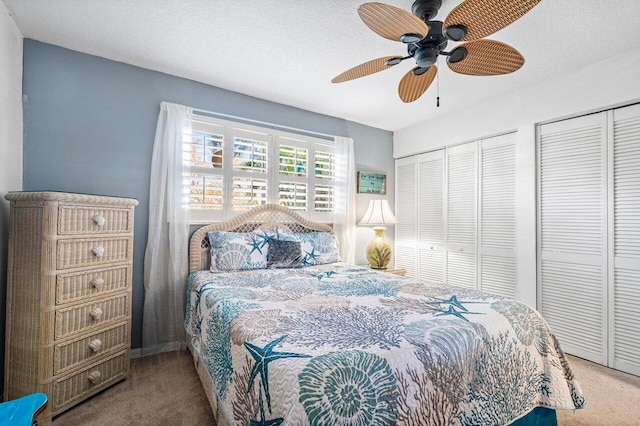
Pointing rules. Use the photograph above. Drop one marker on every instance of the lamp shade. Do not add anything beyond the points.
(378, 213)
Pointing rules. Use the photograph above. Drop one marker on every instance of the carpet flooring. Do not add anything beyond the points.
(165, 390)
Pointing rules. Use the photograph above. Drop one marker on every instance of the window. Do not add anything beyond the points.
(233, 167)
(202, 153)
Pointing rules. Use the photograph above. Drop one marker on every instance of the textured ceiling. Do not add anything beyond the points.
(287, 51)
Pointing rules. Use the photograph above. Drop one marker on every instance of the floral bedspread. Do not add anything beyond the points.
(338, 344)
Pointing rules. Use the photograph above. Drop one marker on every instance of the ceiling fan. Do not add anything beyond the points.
(426, 39)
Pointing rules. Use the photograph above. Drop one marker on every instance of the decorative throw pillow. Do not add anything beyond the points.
(235, 251)
(284, 254)
(317, 248)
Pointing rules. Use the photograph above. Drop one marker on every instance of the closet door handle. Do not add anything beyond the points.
(99, 220)
(95, 313)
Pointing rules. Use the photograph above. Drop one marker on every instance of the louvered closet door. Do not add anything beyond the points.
(498, 216)
(572, 233)
(406, 244)
(625, 276)
(461, 215)
(431, 252)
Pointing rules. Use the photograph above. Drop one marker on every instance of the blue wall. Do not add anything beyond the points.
(89, 125)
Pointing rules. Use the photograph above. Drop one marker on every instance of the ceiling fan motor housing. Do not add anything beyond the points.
(426, 56)
(426, 9)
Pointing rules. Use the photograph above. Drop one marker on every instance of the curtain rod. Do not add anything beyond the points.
(264, 124)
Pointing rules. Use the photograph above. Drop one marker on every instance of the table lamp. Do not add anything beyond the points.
(378, 250)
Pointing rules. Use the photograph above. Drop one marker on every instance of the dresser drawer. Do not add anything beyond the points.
(89, 316)
(76, 253)
(86, 219)
(78, 386)
(68, 355)
(79, 285)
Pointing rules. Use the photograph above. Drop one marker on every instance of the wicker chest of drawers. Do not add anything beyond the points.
(68, 296)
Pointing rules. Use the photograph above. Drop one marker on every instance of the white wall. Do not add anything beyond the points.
(10, 137)
(602, 85)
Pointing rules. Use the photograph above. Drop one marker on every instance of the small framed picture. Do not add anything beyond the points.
(372, 183)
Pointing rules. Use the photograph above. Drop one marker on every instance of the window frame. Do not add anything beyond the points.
(229, 130)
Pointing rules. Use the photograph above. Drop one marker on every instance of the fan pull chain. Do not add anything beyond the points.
(438, 85)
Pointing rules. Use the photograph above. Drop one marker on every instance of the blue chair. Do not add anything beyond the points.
(21, 411)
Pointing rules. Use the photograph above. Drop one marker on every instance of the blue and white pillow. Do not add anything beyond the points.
(317, 248)
(235, 251)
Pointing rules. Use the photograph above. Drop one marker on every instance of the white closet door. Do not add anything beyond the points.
(461, 215)
(406, 245)
(572, 233)
(498, 215)
(431, 230)
(625, 271)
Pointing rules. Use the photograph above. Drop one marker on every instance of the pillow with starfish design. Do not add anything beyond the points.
(238, 251)
(317, 248)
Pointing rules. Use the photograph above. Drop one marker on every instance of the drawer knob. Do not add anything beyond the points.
(97, 282)
(95, 313)
(95, 345)
(460, 248)
(98, 251)
(99, 220)
(94, 376)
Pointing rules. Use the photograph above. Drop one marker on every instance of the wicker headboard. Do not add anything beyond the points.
(262, 217)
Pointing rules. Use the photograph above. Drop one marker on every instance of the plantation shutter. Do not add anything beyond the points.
(203, 183)
(406, 208)
(461, 215)
(625, 276)
(572, 233)
(431, 225)
(498, 216)
(250, 166)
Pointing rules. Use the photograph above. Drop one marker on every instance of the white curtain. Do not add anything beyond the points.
(166, 259)
(345, 210)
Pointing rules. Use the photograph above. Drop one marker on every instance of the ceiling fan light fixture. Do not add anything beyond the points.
(393, 61)
(458, 54)
(455, 32)
(426, 56)
(410, 38)
(419, 70)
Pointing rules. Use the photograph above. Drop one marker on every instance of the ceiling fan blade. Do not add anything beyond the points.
(412, 86)
(365, 69)
(486, 57)
(392, 22)
(484, 17)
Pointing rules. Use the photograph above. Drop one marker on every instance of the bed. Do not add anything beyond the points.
(328, 343)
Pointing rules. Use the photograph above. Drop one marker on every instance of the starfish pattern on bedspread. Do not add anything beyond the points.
(264, 422)
(453, 301)
(262, 358)
(452, 311)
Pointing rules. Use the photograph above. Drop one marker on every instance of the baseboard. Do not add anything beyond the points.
(166, 347)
